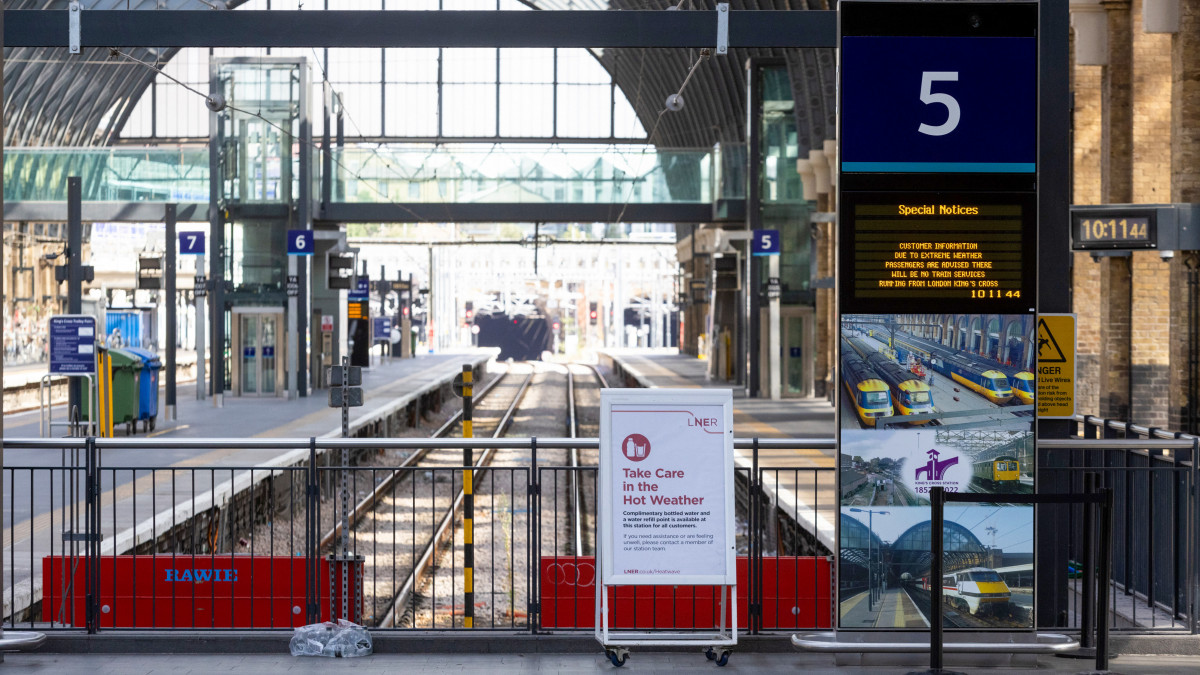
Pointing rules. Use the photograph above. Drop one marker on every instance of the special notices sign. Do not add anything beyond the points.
(666, 471)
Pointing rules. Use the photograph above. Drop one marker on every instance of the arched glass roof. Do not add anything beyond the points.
(53, 98)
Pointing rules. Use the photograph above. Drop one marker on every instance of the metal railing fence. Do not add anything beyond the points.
(115, 539)
(1154, 570)
(112, 537)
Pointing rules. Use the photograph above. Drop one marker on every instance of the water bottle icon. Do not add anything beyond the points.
(635, 447)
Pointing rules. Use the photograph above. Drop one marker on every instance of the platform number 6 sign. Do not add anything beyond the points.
(300, 242)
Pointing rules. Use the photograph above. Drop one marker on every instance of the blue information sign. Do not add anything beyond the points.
(765, 242)
(191, 243)
(362, 291)
(300, 242)
(382, 328)
(72, 344)
(939, 104)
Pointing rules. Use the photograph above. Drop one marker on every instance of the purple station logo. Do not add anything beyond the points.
(935, 469)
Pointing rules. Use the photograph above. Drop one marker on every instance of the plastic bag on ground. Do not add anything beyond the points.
(341, 639)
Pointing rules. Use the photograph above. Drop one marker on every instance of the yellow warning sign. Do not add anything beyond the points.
(1056, 365)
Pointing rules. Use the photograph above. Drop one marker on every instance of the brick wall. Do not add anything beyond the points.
(1085, 83)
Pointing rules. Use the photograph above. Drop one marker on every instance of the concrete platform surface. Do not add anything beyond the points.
(763, 417)
(499, 664)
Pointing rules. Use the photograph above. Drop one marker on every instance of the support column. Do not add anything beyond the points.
(169, 289)
(1184, 387)
(1116, 187)
(774, 338)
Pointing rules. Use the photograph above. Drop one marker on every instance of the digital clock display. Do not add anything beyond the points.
(1109, 230)
(924, 249)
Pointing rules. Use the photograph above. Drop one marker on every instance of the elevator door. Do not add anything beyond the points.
(258, 362)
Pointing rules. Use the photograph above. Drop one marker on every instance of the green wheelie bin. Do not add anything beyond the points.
(126, 381)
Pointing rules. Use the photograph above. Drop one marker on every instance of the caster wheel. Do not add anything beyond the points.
(710, 654)
(617, 656)
(151, 423)
(724, 658)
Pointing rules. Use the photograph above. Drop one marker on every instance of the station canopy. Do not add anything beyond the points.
(53, 98)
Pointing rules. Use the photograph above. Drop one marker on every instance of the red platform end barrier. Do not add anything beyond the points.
(797, 594)
(223, 591)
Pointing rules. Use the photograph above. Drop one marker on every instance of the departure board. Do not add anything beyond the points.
(969, 248)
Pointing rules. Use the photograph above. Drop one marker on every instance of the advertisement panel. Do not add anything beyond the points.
(666, 487)
(937, 287)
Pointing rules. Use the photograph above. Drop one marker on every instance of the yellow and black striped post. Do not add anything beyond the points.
(103, 402)
(468, 503)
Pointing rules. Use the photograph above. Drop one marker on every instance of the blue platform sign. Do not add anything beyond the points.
(765, 242)
(300, 242)
(918, 104)
(191, 243)
(72, 344)
(362, 291)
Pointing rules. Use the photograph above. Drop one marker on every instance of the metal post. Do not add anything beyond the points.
(1105, 580)
(755, 571)
(216, 233)
(201, 308)
(74, 270)
(937, 499)
(169, 281)
(1089, 565)
(535, 508)
(297, 359)
(1053, 270)
(2, 336)
(469, 502)
(345, 487)
(312, 537)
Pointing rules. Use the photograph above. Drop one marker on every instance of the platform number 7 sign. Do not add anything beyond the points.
(191, 243)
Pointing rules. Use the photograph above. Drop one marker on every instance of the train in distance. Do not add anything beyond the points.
(910, 394)
(869, 395)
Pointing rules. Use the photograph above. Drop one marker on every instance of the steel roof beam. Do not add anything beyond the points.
(283, 28)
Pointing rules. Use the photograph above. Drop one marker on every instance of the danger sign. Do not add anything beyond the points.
(666, 475)
(1056, 366)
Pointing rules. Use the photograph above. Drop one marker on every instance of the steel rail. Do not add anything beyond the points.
(384, 486)
(437, 542)
(510, 443)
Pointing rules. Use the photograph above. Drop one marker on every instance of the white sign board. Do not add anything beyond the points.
(666, 486)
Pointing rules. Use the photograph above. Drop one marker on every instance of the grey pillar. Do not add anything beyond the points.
(169, 274)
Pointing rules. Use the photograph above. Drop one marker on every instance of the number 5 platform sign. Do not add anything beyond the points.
(931, 89)
(765, 242)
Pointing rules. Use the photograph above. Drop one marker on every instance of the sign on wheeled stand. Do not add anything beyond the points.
(666, 513)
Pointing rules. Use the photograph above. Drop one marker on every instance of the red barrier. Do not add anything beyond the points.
(797, 593)
(224, 591)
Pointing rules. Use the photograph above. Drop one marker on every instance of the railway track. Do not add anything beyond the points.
(443, 534)
(409, 527)
(577, 488)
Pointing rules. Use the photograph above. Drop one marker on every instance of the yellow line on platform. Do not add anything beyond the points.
(181, 427)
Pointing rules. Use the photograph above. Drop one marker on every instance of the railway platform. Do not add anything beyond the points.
(762, 417)
(147, 487)
(467, 660)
